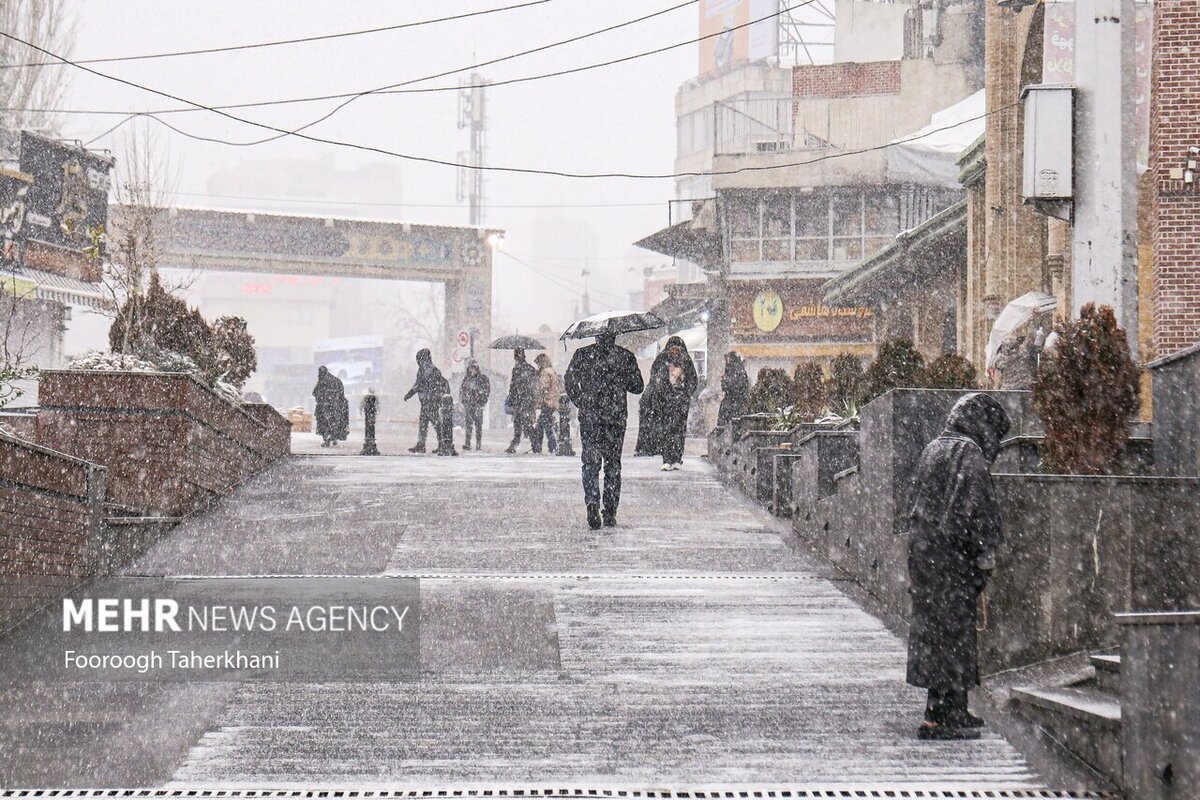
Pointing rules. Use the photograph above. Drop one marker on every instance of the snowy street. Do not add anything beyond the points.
(689, 647)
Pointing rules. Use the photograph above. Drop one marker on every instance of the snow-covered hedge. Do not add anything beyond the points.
(151, 361)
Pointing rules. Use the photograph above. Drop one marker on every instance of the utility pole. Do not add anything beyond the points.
(586, 300)
(1104, 267)
(472, 115)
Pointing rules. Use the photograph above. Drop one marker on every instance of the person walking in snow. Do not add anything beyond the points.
(597, 381)
(429, 387)
(522, 399)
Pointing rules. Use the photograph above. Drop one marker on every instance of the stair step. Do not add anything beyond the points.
(1089, 705)
(1108, 672)
(1085, 721)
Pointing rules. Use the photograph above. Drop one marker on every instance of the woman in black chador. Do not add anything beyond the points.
(333, 412)
(954, 526)
(735, 390)
(663, 410)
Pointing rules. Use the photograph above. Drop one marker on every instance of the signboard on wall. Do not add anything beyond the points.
(13, 188)
(1058, 58)
(794, 311)
(730, 38)
(67, 205)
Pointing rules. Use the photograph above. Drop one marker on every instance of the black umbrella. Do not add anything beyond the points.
(516, 342)
(613, 322)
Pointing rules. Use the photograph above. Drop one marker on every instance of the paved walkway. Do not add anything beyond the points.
(690, 647)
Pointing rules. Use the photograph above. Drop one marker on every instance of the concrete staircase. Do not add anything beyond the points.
(1082, 715)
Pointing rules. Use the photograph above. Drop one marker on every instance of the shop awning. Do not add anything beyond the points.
(919, 255)
(694, 240)
(40, 285)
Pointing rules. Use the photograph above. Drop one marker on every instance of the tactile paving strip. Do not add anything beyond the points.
(564, 794)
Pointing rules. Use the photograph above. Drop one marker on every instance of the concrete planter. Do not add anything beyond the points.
(171, 444)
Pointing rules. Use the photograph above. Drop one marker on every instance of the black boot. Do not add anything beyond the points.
(593, 516)
(610, 518)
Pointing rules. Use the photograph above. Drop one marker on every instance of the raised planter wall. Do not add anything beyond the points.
(51, 510)
(1078, 548)
(170, 443)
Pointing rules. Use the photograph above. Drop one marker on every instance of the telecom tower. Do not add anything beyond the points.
(472, 115)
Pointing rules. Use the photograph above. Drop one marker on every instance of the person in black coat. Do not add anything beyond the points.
(663, 410)
(954, 527)
(735, 388)
(429, 387)
(522, 399)
(597, 381)
(473, 394)
(333, 410)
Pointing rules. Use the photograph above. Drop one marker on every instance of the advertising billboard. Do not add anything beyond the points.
(731, 38)
(67, 205)
(14, 186)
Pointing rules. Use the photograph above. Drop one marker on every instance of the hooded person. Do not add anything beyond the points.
(549, 389)
(663, 410)
(955, 530)
(522, 399)
(473, 394)
(429, 387)
(333, 410)
(735, 388)
(597, 381)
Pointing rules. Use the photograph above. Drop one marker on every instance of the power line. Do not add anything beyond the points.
(493, 168)
(317, 201)
(278, 42)
(561, 283)
(395, 88)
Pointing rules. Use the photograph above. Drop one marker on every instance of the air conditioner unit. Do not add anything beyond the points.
(772, 146)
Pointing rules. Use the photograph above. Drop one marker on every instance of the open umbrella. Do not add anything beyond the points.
(516, 342)
(1014, 315)
(613, 322)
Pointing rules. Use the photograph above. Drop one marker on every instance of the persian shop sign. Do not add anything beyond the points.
(795, 311)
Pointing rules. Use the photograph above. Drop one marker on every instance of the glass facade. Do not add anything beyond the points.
(830, 228)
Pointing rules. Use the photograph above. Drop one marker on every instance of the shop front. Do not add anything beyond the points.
(781, 323)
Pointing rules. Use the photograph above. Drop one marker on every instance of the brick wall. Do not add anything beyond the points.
(50, 516)
(171, 445)
(1174, 127)
(846, 80)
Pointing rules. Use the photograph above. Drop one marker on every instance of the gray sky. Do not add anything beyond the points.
(613, 118)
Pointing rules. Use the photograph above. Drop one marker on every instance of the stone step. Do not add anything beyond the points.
(1086, 721)
(1108, 672)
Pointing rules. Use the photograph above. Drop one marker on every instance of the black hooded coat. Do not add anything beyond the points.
(954, 527)
(735, 388)
(430, 384)
(333, 410)
(663, 408)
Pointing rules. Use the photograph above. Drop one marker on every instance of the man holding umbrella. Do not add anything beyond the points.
(597, 381)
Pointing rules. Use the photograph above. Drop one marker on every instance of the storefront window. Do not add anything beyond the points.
(806, 227)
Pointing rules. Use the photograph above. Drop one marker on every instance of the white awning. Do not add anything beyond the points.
(929, 156)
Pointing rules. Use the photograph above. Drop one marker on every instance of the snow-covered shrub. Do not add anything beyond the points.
(898, 366)
(772, 391)
(809, 382)
(949, 371)
(1087, 393)
(110, 362)
(845, 385)
(228, 391)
